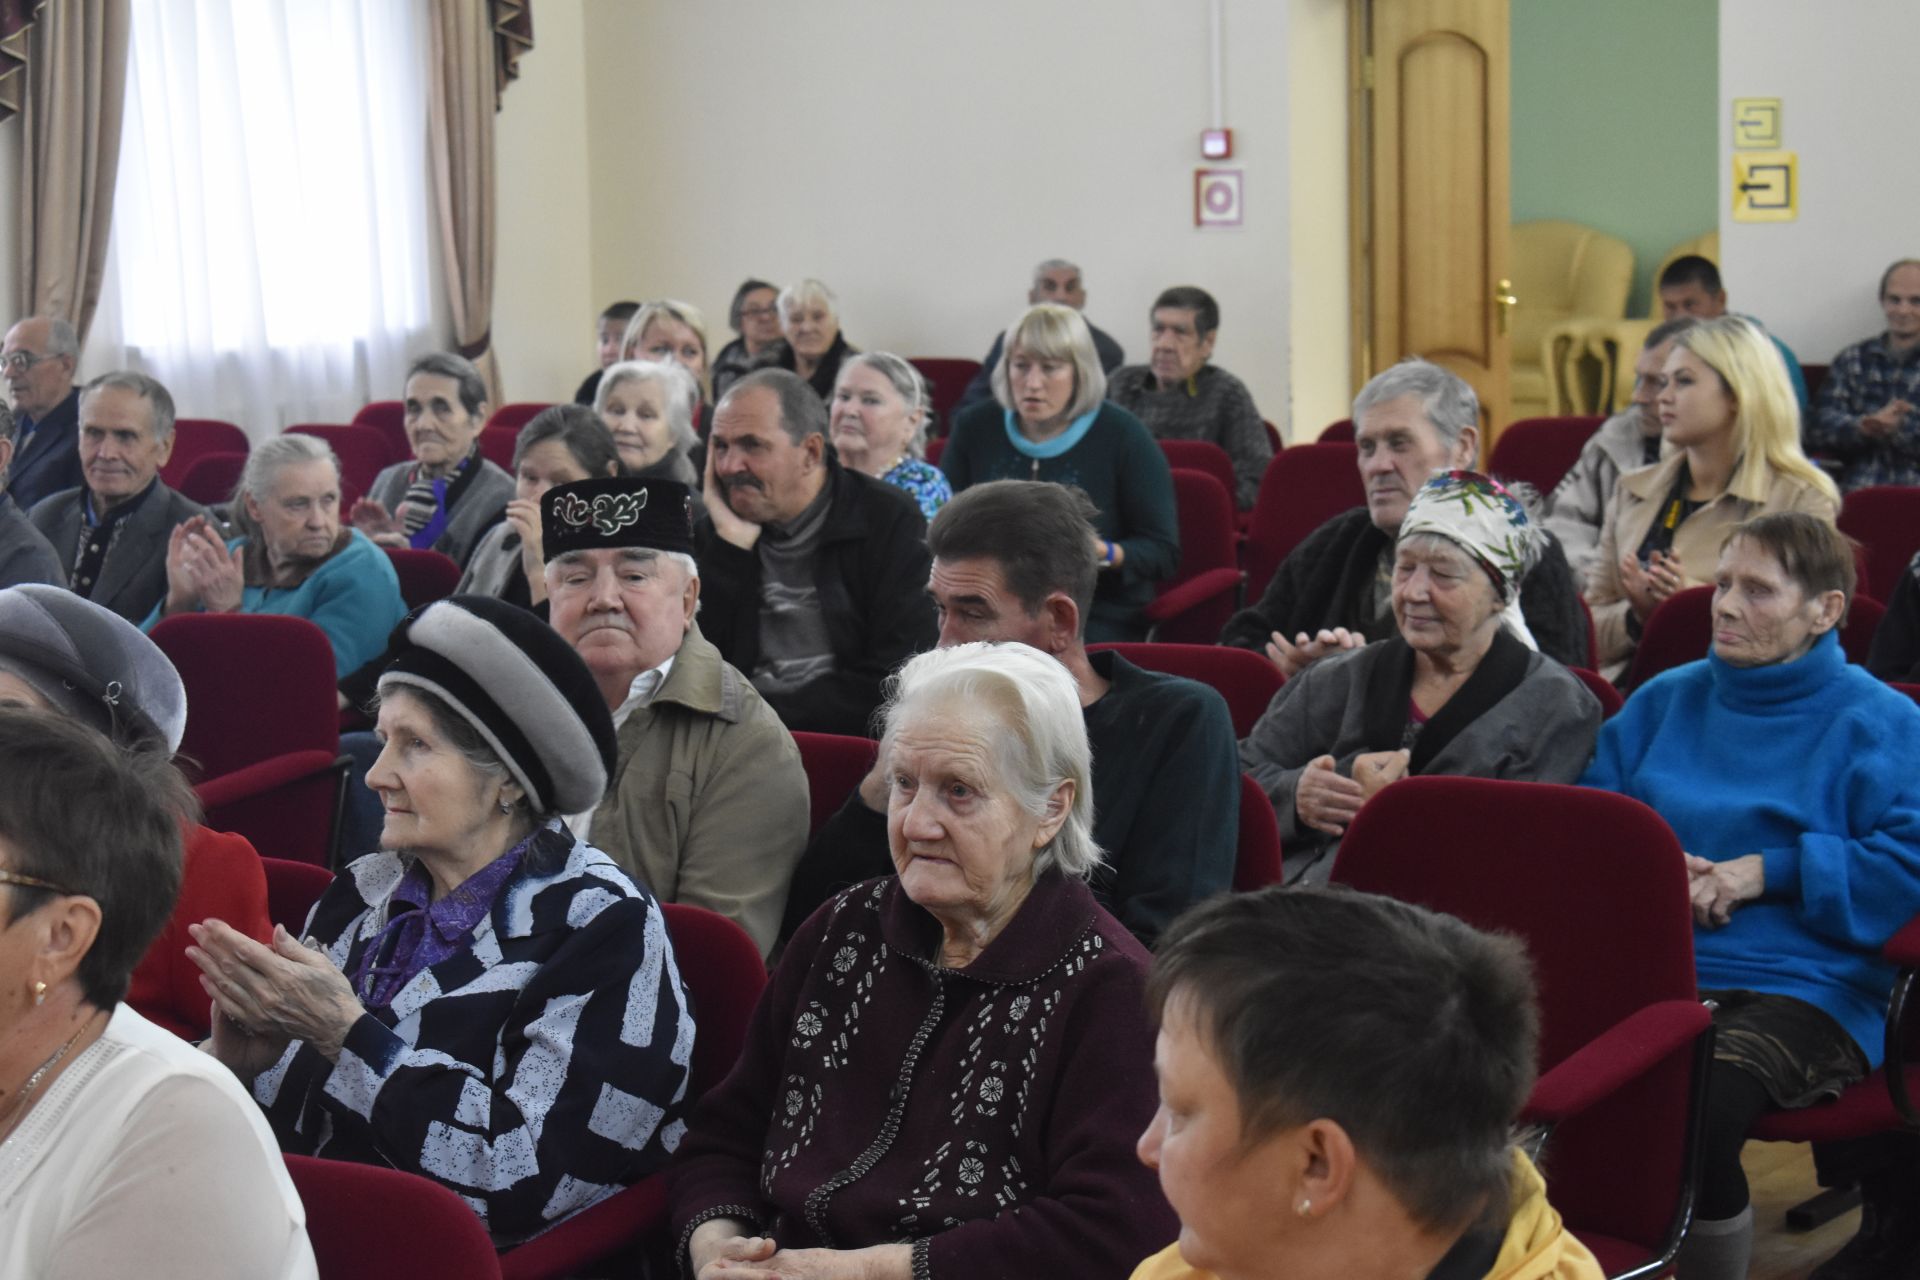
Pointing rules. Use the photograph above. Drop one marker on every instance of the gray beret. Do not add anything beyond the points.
(92, 664)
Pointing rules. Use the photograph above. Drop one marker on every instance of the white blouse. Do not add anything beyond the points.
(146, 1158)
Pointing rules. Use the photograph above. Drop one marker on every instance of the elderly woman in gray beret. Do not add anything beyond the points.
(489, 1002)
(1462, 689)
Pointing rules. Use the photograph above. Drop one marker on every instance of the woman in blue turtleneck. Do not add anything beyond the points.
(1793, 782)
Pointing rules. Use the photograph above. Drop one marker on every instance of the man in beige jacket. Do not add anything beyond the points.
(708, 803)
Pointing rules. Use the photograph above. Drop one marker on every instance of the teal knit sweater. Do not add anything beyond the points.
(1815, 766)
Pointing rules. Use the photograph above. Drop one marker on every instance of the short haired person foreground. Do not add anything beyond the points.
(111, 534)
(291, 556)
(1458, 690)
(123, 1150)
(449, 495)
(1869, 411)
(949, 1067)
(1788, 775)
(38, 357)
(812, 572)
(708, 800)
(488, 1002)
(1576, 510)
(1386, 1150)
(1181, 395)
(1012, 561)
(1334, 590)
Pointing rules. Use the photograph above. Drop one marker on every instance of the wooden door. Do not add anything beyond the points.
(1430, 197)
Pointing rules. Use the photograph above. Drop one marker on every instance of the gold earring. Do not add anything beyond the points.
(1304, 1208)
(39, 993)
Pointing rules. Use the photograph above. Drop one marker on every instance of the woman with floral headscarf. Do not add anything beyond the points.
(1461, 690)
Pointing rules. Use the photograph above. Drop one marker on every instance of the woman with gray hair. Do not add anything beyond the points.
(811, 343)
(879, 426)
(1051, 423)
(291, 555)
(1461, 689)
(648, 406)
(974, 1024)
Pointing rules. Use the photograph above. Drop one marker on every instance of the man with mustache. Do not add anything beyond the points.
(814, 572)
(708, 803)
(111, 533)
(38, 358)
(1333, 591)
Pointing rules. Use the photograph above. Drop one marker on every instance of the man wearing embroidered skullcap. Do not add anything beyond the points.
(708, 804)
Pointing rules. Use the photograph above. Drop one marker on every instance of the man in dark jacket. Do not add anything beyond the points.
(25, 553)
(38, 357)
(1013, 560)
(814, 575)
(1332, 591)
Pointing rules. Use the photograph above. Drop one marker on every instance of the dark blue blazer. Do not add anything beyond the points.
(50, 459)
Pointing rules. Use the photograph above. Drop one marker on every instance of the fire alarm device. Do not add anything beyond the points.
(1216, 144)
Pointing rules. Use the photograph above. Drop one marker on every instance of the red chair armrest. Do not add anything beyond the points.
(264, 776)
(1195, 591)
(1623, 1053)
(1903, 949)
(590, 1235)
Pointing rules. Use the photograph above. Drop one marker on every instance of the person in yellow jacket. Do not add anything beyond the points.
(1339, 1079)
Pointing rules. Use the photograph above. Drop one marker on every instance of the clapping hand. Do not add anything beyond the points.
(1375, 769)
(1646, 588)
(372, 518)
(1292, 657)
(1886, 420)
(201, 572)
(282, 992)
(1326, 799)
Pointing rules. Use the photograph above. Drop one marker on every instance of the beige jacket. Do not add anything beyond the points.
(1637, 502)
(708, 805)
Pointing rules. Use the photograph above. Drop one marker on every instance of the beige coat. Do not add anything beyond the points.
(708, 805)
(1637, 502)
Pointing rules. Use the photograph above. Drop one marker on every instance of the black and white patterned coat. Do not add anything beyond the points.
(535, 1072)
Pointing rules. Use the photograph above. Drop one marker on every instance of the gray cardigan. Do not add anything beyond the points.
(25, 553)
(1543, 730)
(476, 511)
(134, 577)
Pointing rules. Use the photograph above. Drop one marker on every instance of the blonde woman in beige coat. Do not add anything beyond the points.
(1732, 429)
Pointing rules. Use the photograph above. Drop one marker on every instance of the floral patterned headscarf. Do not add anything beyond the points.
(1478, 515)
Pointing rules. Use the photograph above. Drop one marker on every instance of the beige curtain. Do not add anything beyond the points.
(70, 154)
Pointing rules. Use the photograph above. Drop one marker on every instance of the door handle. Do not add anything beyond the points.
(1504, 300)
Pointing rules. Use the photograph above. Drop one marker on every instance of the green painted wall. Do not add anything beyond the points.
(1616, 121)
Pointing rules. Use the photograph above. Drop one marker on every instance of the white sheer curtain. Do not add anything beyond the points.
(270, 256)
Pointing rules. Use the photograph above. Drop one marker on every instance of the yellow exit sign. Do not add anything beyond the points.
(1756, 124)
(1766, 186)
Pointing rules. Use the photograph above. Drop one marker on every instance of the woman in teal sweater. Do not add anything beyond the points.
(1793, 782)
(1051, 423)
(292, 556)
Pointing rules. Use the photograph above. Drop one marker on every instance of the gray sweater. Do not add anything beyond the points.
(1542, 730)
(1213, 406)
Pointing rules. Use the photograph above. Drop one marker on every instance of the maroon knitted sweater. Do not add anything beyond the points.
(987, 1114)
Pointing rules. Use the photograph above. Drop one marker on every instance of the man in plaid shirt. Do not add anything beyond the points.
(1866, 419)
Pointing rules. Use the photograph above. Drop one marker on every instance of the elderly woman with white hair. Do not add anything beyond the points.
(649, 406)
(291, 556)
(1462, 689)
(811, 343)
(973, 1026)
(878, 424)
(1052, 422)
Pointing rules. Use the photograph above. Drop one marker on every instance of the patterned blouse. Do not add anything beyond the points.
(535, 1070)
(986, 1114)
(924, 482)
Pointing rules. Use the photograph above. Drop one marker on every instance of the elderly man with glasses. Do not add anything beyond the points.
(38, 358)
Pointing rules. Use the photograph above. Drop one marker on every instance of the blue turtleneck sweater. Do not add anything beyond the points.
(1814, 765)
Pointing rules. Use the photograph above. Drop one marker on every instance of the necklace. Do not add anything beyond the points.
(33, 1081)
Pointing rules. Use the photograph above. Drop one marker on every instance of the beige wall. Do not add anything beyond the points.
(543, 302)
(1322, 373)
(1813, 281)
(920, 159)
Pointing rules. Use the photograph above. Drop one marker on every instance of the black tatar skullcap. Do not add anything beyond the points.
(521, 686)
(617, 511)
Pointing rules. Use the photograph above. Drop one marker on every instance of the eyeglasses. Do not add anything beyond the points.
(21, 361)
(29, 882)
(758, 313)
